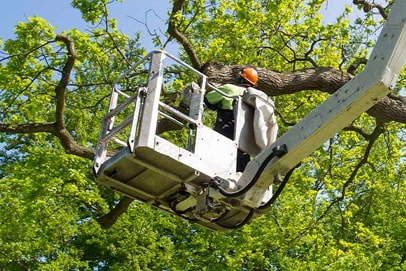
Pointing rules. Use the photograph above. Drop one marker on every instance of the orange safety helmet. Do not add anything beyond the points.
(250, 74)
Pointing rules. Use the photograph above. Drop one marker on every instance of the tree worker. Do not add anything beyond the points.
(224, 106)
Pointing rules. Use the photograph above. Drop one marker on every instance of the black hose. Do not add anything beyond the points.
(278, 151)
(278, 192)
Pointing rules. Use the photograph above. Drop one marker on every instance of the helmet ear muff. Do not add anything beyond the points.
(241, 80)
(238, 78)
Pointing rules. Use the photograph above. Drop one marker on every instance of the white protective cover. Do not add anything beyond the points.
(265, 124)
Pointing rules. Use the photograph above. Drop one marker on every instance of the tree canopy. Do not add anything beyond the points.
(343, 209)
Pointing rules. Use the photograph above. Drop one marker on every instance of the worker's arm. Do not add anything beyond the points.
(213, 97)
(217, 100)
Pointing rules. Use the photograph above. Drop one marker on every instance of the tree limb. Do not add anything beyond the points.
(325, 79)
(62, 133)
(58, 128)
(182, 39)
(367, 7)
(28, 128)
(108, 220)
(60, 89)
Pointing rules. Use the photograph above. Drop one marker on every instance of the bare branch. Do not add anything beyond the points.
(379, 129)
(174, 32)
(28, 128)
(153, 33)
(367, 7)
(108, 220)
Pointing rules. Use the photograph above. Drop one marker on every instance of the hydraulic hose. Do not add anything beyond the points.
(278, 191)
(278, 151)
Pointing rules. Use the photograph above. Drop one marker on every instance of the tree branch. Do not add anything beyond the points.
(357, 130)
(367, 7)
(108, 220)
(60, 89)
(28, 128)
(62, 133)
(182, 39)
(325, 79)
(354, 65)
(107, 31)
(57, 128)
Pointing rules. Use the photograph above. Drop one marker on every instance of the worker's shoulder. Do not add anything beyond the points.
(232, 89)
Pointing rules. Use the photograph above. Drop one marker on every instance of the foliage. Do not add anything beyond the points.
(344, 208)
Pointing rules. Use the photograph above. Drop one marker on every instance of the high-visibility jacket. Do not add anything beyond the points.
(222, 102)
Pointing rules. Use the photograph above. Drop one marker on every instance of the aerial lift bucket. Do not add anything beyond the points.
(171, 170)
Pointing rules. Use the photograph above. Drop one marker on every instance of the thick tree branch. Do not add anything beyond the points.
(275, 83)
(62, 133)
(60, 89)
(108, 220)
(329, 80)
(66, 139)
(391, 108)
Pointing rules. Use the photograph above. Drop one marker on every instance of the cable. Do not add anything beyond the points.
(278, 151)
(278, 192)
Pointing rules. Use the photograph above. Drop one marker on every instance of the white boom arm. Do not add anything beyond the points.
(345, 105)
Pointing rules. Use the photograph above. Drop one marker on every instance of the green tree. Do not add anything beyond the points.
(344, 208)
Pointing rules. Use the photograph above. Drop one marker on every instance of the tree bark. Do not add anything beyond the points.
(324, 79)
(108, 220)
